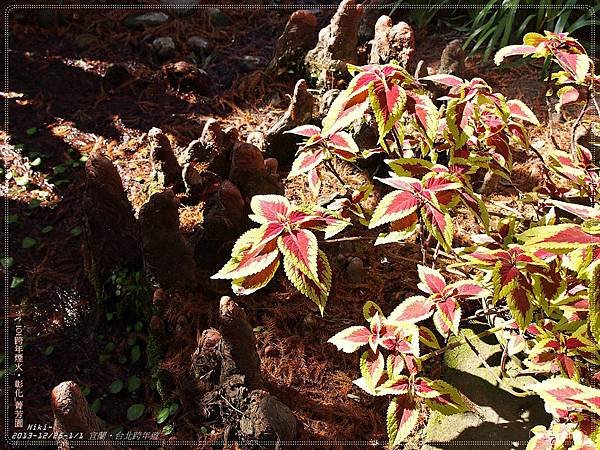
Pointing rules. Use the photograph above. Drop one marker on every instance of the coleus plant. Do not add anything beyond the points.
(320, 148)
(285, 230)
(547, 272)
(577, 76)
(397, 100)
(481, 123)
(397, 373)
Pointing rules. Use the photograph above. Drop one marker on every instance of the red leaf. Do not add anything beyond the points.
(351, 339)
(269, 208)
(301, 247)
(413, 309)
(432, 281)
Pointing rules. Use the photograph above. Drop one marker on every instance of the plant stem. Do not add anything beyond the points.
(577, 123)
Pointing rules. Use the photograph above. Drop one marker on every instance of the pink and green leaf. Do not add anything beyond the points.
(372, 366)
(402, 418)
(414, 309)
(317, 286)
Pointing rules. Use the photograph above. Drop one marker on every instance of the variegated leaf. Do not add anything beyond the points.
(316, 289)
(269, 208)
(252, 283)
(300, 248)
(513, 50)
(520, 110)
(387, 101)
(402, 418)
(306, 161)
(432, 281)
(372, 366)
(440, 396)
(351, 339)
(413, 309)
(394, 206)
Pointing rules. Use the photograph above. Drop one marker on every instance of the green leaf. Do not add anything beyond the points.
(173, 407)
(7, 262)
(59, 169)
(28, 242)
(162, 415)
(48, 350)
(167, 429)
(96, 405)
(138, 326)
(135, 353)
(115, 387)
(16, 282)
(36, 162)
(31, 131)
(134, 412)
(133, 383)
(76, 231)
(47, 229)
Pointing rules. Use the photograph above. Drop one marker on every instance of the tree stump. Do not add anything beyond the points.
(337, 44)
(282, 145)
(72, 414)
(392, 42)
(111, 233)
(168, 258)
(297, 38)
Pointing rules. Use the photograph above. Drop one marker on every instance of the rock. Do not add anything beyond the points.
(249, 173)
(299, 35)
(72, 415)
(164, 47)
(355, 271)
(490, 183)
(267, 418)
(218, 18)
(156, 325)
(181, 9)
(85, 40)
(587, 133)
(496, 414)
(238, 344)
(150, 19)
(111, 233)
(367, 136)
(336, 45)
(165, 168)
(258, 139)
(283, 145)
(453, 58)
(116, 75)
(392, 42)
(249, 63)
(183, 75)
(199, 44)
(168, 258)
